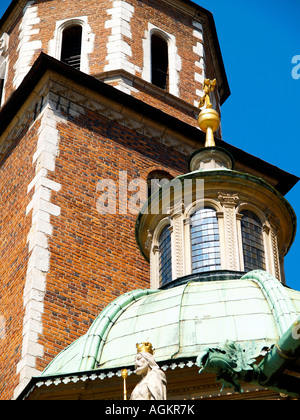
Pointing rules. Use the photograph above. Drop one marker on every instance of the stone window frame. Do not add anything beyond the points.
(269, 228)
(187, 242)
(213, 244)
(154, 252)
(174, 58)
(3, 77)
(4, 41)
(87, 43)
(161, 282)
(253, 243)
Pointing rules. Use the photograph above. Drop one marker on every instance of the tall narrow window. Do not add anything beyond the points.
(253, 242)
(159, 62)
(71, 46)
(2, 80)
(205, 241)
(1, 90)
(165, 257)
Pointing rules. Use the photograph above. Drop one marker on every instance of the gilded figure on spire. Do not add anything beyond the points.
(208, 87)
(209, 119)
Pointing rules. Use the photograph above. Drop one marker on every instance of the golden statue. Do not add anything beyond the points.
(209, 120)
(208, 87)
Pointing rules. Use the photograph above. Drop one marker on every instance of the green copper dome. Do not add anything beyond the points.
(183, 320)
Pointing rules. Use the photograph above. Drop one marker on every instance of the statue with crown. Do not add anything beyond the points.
(153, 385)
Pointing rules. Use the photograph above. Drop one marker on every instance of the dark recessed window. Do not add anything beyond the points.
(1, 90)
(165, 256)
(253, 242)
(205, 241)
(2, 80)
(71, 46)
(159, 62)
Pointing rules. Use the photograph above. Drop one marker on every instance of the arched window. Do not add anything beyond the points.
(205, 241)
(253, 242)
(71, 46)
(165, 256)
(159, 62)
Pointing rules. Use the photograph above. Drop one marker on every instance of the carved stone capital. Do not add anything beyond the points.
(273, 220)
(187, 221)
(228, 200)
(155, 249)
(176, 210)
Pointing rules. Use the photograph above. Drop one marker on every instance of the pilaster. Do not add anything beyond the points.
(229, 203)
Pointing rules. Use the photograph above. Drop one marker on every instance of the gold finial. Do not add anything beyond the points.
(124, 374)
(145, 347)
(209, 119)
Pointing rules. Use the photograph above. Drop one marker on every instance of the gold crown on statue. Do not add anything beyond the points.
(145, 347)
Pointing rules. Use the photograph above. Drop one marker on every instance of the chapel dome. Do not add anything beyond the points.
(182, 321)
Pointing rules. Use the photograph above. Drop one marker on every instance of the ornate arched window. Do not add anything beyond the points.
(165, 256)
(159, 62)
(253, 242)
(205, 242)
(71, 46)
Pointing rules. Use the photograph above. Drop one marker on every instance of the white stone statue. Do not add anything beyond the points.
(153, 385)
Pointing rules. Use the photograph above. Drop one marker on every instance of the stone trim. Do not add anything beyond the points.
(26, 47)
(87, 44)
(200, 63)
(41, 210)
(119, 51)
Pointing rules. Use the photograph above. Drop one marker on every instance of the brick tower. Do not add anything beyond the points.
(105, 91)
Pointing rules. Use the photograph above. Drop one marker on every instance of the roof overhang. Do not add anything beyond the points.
(184, 382)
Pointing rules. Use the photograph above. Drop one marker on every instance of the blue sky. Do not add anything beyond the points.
(259, 39)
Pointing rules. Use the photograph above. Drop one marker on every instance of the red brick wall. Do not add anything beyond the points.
(16, 172)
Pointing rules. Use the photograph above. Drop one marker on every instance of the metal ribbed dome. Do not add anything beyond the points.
(183, 320)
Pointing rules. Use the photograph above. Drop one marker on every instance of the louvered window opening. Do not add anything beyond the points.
(205, 241)
(71, 46)
(165, 257)
(253, 242)
(159, 62)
